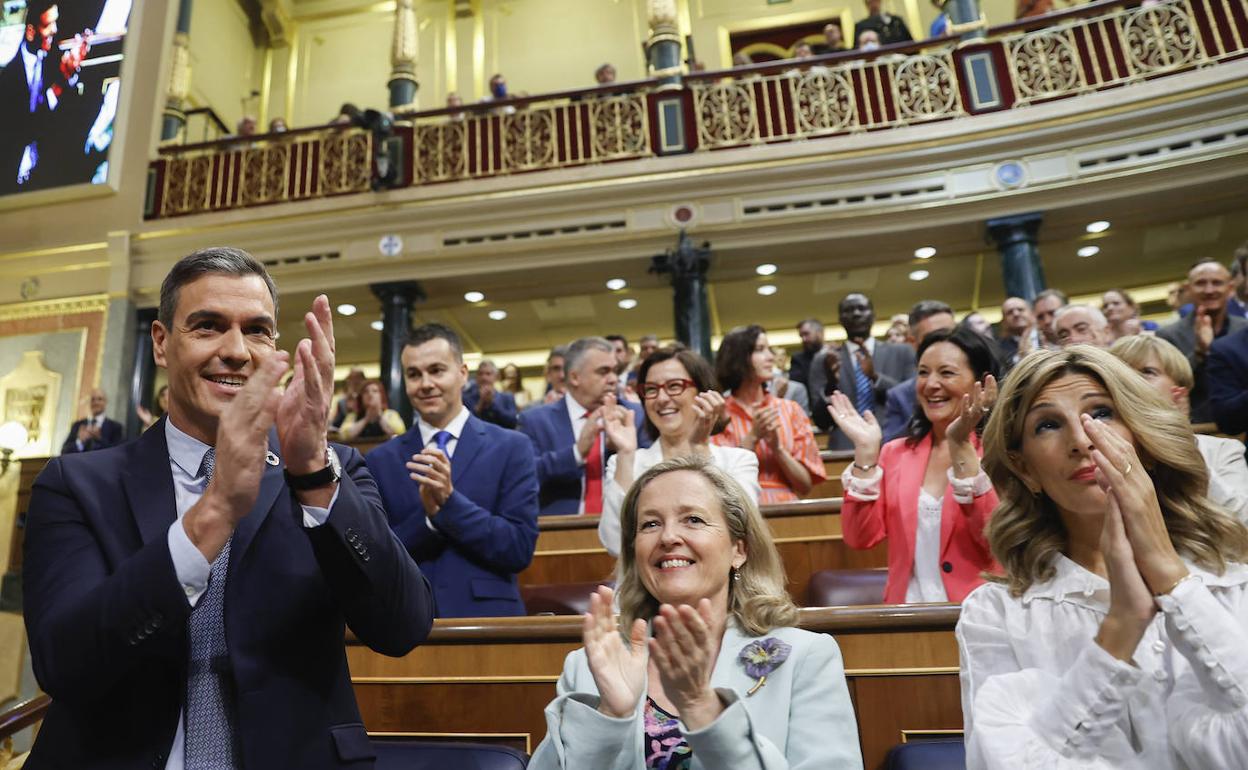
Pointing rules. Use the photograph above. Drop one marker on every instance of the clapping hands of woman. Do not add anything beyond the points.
(708, 408)
(619, 669)
(974, 409)
(861, 429)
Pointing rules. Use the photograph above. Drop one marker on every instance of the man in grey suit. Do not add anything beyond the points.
(1210, 284)
(862, 368)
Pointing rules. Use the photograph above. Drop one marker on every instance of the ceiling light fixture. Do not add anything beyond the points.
(925, 252)
(346, 309)
(919, 275)
(1099, 226)
(767, 289)
(615, 284)
(627, 304)
(497, 315)
(474, 296)
(1089, 251)
(766, 269)
(377, 326)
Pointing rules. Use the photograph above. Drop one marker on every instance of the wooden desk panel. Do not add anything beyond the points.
(493, 677)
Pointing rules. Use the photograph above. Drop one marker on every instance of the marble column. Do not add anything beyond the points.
(143, 371)
(173, 119)
(398, 299)
(403, 47)
(1021, 267)
(687, 265)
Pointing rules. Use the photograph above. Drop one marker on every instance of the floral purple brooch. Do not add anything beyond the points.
(761, 657)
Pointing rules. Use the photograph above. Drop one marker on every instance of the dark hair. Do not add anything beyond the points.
(1127, 298)
(732, 360)
(616, 338)
(381, 388)
(699, 369)
(926, 309)
(35, 9)
(215, 259)
(815, 322)
(979, 352)
(430, 332)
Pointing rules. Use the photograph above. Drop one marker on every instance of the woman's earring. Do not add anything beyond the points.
(736, 576)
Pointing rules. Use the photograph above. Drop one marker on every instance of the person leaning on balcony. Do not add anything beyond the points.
(1167, 370)
(498, 93)
(605, 74)
(925, 493)
(833, 40)
(889, 28)
(1116, 638)
(704, 668)
(776, 430)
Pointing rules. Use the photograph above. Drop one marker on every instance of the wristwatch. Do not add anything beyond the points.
(331, 473)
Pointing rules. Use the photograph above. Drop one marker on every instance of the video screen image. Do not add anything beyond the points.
(60, 81)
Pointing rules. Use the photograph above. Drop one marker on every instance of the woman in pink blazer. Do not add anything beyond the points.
(926, 492)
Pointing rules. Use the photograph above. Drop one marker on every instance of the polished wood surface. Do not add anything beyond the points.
(807, 534)
(495, 676)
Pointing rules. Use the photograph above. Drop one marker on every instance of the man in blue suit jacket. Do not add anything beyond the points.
(461, 493)
(186, 594)
(483, 398)
(1227, 374)
(96, 431)
(564, 432)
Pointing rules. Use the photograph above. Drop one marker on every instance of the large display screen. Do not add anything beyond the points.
(60, 84)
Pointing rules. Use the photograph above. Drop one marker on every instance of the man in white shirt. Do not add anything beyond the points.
(95, 431)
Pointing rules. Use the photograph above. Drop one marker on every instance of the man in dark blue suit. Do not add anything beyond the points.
(1227, 374)
(186, 594)
(96, 431)
(461, 493)
(483, 398)
(567, 435)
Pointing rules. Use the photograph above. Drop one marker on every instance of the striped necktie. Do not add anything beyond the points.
(864, 395)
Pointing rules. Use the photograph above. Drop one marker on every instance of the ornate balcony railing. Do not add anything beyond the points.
(1099, 46)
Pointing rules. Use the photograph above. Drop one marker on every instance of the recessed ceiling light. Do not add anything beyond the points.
(497, 315)
(766, 269)
(627, 304)
(925, 252)
(346, 308)
(377, 326)
(615, 284)
(473, 296)
(919, 275)
(1089, 251)
(767, 289)
(1099, 226)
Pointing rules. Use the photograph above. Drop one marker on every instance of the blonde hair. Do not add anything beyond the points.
(1138, 348)
(756, 598)
(1026, 532)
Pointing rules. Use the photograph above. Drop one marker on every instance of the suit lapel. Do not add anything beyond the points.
(148, 482)
(846, 375)
(273, 482)
(563, 424)
(471, 442)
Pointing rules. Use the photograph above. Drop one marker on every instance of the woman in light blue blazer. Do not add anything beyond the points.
(704, 670)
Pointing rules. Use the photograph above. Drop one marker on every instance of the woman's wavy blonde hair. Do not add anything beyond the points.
(757, 599)
(1025, 532)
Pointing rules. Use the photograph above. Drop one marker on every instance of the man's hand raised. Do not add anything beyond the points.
(242, 441)
(304, 407)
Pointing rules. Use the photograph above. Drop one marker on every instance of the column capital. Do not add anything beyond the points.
(409, 291)
(1014, 229)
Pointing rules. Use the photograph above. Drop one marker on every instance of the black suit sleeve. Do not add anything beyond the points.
(71, 444)
(381, 592)
(1228, 386)
(92, 622)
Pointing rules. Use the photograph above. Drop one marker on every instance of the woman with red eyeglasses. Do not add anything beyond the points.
(683, 408)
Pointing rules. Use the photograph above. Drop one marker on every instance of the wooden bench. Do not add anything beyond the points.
(807, 534)
(492, 678)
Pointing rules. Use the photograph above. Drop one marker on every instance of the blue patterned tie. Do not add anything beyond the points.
(209, 732)
(864, 396)
(442, 438)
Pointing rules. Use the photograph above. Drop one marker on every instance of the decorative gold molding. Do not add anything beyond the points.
(90, 303)
(53, 251)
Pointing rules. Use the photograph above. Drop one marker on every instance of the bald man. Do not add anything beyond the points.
(95, 431)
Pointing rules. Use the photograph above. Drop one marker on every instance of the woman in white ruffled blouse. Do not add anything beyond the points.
(1117, 638)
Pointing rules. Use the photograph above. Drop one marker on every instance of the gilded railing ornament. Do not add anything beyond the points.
(528, 140)
(346, 162)
(725, 113)
(924, 88)
(1159, 38)
(1045, 64)
(619, 126)
(823, 101)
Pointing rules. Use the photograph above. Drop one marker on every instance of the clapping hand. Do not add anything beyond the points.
(684, 648)
(708, 410)
(861, 429)
(431, 469)
(975, 406)
(1204, 331)
(617, 422)
(619, 669)
(304, 408)
(766, 425)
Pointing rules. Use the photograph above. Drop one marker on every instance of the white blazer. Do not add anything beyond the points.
(1228, 473)
(740, 464)
(800, 719)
